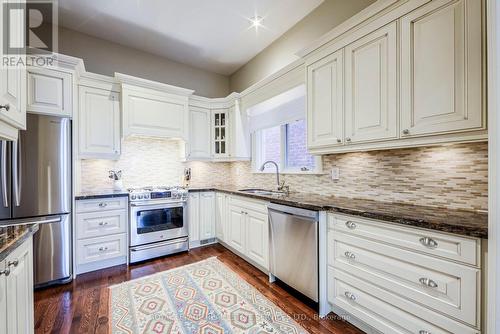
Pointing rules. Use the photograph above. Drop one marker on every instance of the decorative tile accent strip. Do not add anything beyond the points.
(204, 297)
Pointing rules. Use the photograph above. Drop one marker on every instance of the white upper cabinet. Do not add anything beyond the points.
(99, 123)
(402, 76)
(147, 112)
(371, 87)
(441, 69)
(12, 80)
(49, 92)
(199, 133)
(325, 111)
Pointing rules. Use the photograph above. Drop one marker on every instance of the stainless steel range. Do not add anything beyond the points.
(158, 222)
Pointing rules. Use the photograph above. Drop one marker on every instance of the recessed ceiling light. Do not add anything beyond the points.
(256, 21)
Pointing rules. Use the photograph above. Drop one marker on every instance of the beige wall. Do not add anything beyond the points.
(282, 51)
(106, 58)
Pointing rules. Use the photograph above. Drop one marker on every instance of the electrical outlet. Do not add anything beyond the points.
(335, 173)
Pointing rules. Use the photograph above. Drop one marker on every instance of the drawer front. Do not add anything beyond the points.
(444, 286)
(345, 293)
(249, 203)
(102, 248)
(102, 204)
(450, 247)
(98, 224)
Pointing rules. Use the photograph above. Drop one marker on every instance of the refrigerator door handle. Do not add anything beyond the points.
(16, 175)
(3, 172)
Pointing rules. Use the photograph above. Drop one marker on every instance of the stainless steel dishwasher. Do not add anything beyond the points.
(294, 248)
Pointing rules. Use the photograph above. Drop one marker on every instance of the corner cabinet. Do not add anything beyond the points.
(16, 291)
(99, 123)
(411, 77)
(152, 113)
(220, 133)
(199, 145)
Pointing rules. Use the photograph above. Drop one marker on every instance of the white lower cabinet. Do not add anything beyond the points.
(248, 230)
(201, 218)
(101, 233)
(16, 291)
(403, 283)
(221, 216)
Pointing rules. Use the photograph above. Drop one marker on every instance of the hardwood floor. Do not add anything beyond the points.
(82, 306)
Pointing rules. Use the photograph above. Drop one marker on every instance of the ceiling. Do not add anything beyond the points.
(214, 35)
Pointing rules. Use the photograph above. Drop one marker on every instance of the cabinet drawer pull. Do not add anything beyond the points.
(428, 282)
(350, 255)
(350, 225)
(103, 223)
(350, 295)
(13, 263)
(5, 272)
(423, 331)
(428, 242)
(103, 205)
(102, 249)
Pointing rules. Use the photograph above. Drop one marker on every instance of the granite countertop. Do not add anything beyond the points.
(13, 236)
(462, 222)
(101, 194)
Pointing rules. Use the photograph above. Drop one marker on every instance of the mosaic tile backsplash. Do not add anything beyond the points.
(451, 176)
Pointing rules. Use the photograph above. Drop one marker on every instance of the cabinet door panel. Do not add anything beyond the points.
(194, 216)
(199, 133)
(20, 318)
(371, 87)
(236, 229)
(220, 216)
(220, 133)
(150, 114)
(207, 215)
(49, 92)
(257, 238)
(441, 68)
(325, 110)
(13, 78)
(99, 123)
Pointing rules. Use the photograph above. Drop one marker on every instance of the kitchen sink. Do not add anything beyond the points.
(263, 192)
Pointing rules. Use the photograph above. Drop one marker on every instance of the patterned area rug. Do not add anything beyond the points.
(203, 297)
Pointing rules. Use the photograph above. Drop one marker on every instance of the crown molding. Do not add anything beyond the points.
(149, 84)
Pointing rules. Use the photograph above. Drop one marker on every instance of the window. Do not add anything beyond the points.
(285, 145)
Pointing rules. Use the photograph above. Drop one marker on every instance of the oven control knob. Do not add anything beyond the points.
(146, 196)
(133, 197)
(140, 196)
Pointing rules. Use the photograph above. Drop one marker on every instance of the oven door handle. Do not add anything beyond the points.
(159, 205)
(170, 242)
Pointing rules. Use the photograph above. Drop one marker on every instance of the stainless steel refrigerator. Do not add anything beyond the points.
(35, 184)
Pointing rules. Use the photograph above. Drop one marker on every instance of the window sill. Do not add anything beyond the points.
(292, 172)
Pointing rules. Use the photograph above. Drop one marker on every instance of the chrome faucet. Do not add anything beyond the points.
(281, 185)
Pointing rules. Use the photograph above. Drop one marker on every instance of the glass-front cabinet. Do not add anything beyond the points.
(220, 133)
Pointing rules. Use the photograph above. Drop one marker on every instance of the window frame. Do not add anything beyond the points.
(258, 156)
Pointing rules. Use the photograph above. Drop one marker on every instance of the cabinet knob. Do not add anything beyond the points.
(350, 225)
(423, 331)
(406, 132)
(348, 139)
(5, 272)
(350, 255)
(103, 223)
(339, 140)
(350, 295)
(13, 263)
(101, 249)
(102, 205)
(5, 106)
(428, 242)
(428, 282)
